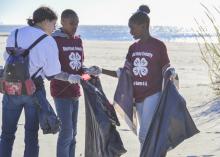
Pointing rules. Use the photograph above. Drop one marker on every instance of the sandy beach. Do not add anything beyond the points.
(194, 86)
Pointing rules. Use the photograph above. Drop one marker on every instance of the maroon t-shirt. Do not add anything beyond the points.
(147, 60)
(71, 58)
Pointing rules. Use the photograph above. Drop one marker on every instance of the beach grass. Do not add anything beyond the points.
(210, 49)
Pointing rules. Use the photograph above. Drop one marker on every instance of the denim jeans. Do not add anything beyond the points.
(145, 113)
(11, 110)
(67, 110)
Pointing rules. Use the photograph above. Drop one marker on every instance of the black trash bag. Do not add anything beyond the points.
(123, 99)
(49, 122)
(102, 138)
(171, 124)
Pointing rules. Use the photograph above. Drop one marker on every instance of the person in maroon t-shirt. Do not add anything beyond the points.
(147, 59)
(64, 93)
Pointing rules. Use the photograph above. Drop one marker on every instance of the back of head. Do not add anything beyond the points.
(141, 15)
(41, 14)
(68, 13)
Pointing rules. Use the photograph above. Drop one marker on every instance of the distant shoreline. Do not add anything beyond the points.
(4, 34)
(121, 33)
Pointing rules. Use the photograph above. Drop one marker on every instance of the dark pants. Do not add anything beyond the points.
(67, 110)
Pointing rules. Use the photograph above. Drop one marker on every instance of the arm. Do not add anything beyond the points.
(109, 72)
(9, 43)
(96, 71)
(165, 67)
(51, 64)
(164, 59)
(71, 78)
(63, 76)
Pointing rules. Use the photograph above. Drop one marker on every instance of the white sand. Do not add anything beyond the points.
(194, 86)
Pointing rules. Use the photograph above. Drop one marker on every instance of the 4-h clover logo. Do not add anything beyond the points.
(140, 67)
(75, 61)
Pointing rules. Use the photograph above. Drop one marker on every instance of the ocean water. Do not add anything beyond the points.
(121, 33)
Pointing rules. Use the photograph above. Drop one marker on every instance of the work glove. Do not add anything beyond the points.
(118, 72)
(174, 76)
(94, 71)
(73, 79)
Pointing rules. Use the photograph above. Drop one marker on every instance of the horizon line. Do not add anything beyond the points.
(2, 24)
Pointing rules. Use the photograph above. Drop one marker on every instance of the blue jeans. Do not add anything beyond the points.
(11, 110)
(145, 113)
(67, 110)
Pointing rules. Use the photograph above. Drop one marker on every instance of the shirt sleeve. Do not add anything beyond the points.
(52, 65)
(128, 61)
(83, 55)
(83, 68)
(9, 43)
(128, 56)
(164, 57)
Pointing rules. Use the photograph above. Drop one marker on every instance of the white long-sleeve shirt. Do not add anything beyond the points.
(44, 55)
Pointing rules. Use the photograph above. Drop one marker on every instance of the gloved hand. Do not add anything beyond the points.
(173, 74)
(174, 77)
(94, 70)
(74, 78)
(118, 72)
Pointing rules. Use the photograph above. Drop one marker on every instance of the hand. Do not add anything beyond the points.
(118, 72)
(73, 79)
(94, 70)
(174, 77)
(173, 74)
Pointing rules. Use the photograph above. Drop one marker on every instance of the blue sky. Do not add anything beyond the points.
(109, 12)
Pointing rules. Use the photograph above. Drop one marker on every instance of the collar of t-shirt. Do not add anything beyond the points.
(60, 33)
